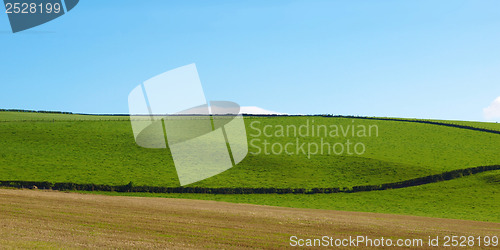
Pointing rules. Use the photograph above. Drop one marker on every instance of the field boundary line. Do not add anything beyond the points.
(426, 122)
(246, 115)
(130, 187)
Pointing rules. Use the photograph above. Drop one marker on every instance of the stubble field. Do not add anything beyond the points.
(51, 219)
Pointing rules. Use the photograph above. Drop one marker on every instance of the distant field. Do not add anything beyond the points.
(40, 219)
(30, 116)
(485, 125)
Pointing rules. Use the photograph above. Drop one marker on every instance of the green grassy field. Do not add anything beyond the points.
(102, 150)
(30, 116)
(483, 125)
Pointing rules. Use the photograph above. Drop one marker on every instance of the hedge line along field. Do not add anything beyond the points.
(475, 197)
(495, 126)
(102, 150)
(33, 116)
(484, 125)
(10, 116)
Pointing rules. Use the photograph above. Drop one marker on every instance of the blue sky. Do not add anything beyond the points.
(426, 59)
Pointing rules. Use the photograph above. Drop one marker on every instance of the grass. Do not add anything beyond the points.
(101, 152)
(104, 152)
(474, 197)
(34, 117)
(485, 125)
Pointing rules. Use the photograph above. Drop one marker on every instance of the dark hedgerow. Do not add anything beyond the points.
(130, 187)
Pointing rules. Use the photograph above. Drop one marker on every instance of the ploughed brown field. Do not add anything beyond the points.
(35, 218)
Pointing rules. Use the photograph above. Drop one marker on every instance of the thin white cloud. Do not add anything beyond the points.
(492, 112)
(251, 110)
(258, 111)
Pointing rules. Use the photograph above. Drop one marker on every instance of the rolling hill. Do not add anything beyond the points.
(101, 150)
